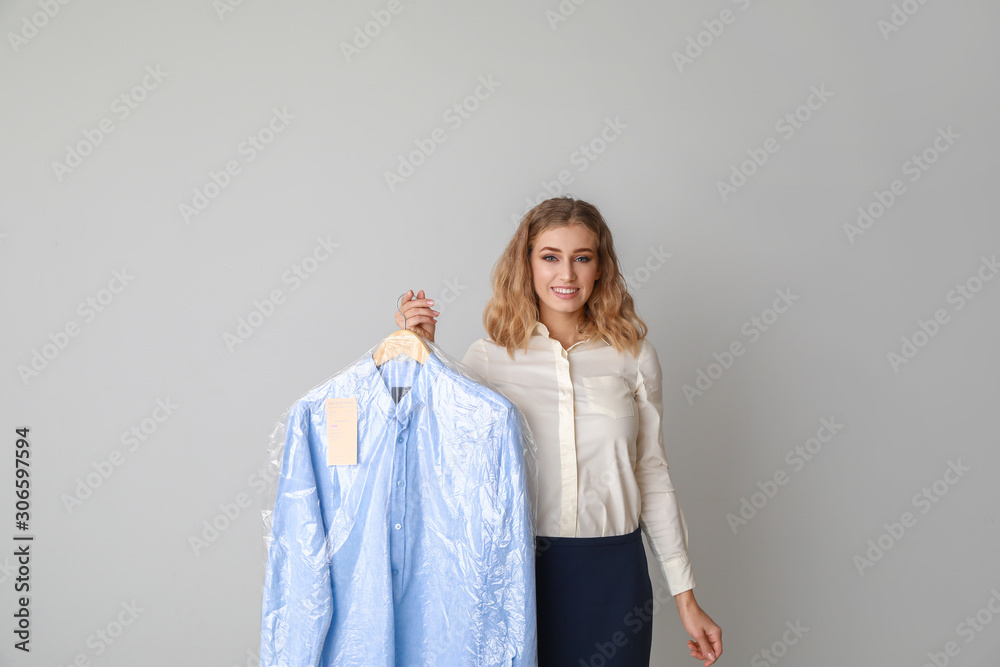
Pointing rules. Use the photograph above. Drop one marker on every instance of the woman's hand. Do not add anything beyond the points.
(707, 644)
(419, 317)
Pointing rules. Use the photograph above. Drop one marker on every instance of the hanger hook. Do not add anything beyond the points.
(400, 311)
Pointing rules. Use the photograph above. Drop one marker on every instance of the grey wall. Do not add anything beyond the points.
(126, 268)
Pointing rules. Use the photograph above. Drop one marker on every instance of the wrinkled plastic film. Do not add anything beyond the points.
(473, 546)
(276, 443)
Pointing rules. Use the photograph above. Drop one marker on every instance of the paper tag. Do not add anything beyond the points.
(341, 431)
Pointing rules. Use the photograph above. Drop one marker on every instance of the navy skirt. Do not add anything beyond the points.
(593, 596)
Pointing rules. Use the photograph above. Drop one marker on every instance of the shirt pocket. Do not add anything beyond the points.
(609, 395)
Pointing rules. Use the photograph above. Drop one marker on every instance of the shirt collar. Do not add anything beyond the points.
(541, 330)
(377, 389)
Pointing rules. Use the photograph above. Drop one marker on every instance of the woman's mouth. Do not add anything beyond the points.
(565, 292)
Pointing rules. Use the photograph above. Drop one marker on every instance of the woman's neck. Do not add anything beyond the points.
(563, 327)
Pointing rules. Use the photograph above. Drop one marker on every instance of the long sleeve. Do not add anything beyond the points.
(661, 516)
(298, 597)
(511, 625)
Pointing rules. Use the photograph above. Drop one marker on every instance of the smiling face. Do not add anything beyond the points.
(564, 267)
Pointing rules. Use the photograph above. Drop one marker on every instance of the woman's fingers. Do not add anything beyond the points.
(413, 320)
(417, 314)
(416, 311)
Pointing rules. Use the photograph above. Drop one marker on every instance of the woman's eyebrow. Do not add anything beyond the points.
(577, 250)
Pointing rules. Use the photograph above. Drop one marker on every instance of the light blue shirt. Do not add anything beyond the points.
(423, 552)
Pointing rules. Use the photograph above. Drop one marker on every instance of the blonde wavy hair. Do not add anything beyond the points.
(512, 311)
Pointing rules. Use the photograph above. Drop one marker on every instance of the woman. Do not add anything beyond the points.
(567, 348)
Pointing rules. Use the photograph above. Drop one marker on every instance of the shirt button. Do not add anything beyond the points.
(399, 483)
(398, 526)
(399, 439)
(395, 572)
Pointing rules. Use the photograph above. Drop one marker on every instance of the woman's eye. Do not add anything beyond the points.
(583, 257)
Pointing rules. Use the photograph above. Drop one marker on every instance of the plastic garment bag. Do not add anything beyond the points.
(402, 530)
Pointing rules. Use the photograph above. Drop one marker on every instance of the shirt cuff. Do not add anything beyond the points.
(678, 574)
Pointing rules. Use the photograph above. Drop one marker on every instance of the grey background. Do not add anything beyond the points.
(827, 356)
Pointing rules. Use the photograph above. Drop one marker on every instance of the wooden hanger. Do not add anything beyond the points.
(402, 341)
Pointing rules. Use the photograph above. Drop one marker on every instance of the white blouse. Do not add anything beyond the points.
(596, 417)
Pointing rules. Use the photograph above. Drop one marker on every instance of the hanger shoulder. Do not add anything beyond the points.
(401, 341)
